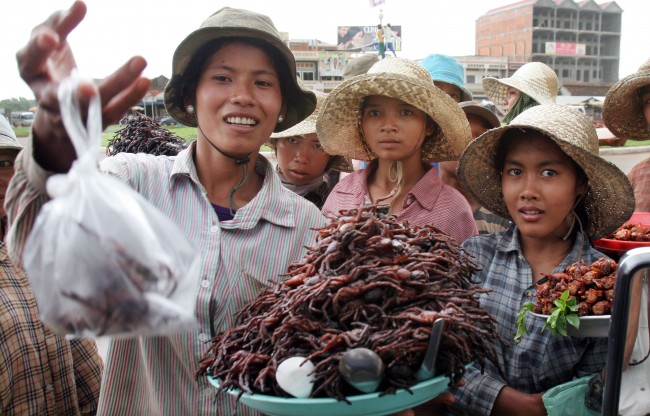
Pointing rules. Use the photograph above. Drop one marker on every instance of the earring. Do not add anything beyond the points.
(280, 118)
(190, 109)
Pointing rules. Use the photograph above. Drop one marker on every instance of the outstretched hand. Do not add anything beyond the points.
(45, 61)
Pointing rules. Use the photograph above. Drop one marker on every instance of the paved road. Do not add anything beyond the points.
(625, 161)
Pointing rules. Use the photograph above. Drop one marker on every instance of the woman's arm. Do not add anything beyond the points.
(511, 402)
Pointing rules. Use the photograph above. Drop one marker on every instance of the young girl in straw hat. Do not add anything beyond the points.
(234, 79)
(544, 173)
(303, 165)
(533, 84)
(395, 117)
(626, 113)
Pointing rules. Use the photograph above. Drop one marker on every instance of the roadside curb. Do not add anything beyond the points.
(623, 150)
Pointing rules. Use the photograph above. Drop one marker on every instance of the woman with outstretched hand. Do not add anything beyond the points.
(235, 80)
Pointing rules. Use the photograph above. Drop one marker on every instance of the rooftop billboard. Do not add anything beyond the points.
(362, 38)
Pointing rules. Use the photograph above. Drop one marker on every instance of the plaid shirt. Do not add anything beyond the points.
(640, 178)
(429, 202)
(41, 373)
(155, 375)
(539, 361)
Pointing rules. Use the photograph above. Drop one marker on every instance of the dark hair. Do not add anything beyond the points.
(513, 136)
(189, 79)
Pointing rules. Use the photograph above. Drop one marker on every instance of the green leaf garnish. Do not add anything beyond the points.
(562, 315)
(521, 319)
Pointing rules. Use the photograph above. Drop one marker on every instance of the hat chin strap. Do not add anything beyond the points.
(239, 161)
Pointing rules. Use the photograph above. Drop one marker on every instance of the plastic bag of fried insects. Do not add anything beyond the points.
(101, 259)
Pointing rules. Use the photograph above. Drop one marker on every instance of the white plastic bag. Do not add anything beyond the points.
(101, 259)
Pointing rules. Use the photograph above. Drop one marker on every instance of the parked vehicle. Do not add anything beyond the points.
(169, 121)
(21, 118)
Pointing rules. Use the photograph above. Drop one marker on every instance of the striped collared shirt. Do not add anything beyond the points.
(41, 373)
(429, 202)
(539, 361)
(156, 375)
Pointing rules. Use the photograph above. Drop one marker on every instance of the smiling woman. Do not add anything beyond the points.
(233, 80)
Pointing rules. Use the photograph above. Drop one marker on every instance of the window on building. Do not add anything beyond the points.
(471, 79)
(578, 72)
(566, 73)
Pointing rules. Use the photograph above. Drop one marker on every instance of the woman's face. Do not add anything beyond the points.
(301, 158)
(238, 98)
(393, 129)
(7, 158)
(540, 187)
(450, 89)
(512, 95)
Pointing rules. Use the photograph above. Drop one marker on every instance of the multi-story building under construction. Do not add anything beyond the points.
(579, 40)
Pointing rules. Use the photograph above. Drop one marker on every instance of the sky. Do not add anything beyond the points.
(115, 30)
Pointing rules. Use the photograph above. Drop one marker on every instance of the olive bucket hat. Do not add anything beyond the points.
(403, 79)
(237, 23)
(609, 201)
(623, 110)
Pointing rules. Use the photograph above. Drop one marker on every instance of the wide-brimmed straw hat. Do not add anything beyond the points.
(535, 79)
(470, 107)
(308, 126)
(238, 23)
(445, 68)
(609, 200)
(403, 79)
(623, 110)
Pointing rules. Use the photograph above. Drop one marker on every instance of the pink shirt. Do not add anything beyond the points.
(430, 202)
(640, 178)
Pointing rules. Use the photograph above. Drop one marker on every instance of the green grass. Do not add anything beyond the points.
(187, 133)
(634, 143)
(631, 143)
(23, 131)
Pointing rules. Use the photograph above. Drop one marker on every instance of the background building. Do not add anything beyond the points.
(579, 40)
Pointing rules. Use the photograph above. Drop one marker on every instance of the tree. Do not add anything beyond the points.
(16, 104)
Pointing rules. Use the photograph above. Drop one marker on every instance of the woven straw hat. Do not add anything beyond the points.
(446, 69)
(405, 80)
(470, 107)
(238, 23)
(308, 126)
(534, 79)
(609, 201)
(623, 111)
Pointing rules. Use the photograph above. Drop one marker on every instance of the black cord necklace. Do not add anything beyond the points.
(239, 161)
